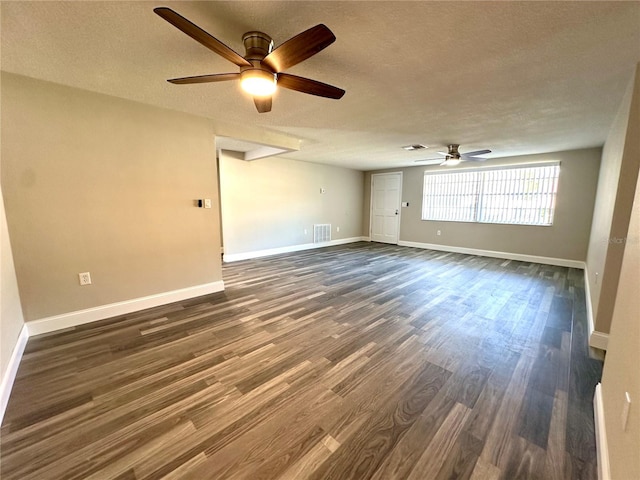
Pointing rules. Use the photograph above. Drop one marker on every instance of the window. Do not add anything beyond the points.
(514, 195)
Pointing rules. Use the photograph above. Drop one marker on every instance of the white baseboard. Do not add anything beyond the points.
(234, 257)
(560, 262)
(602, 448)
(71, 319)
(9, 375)
(599, 340)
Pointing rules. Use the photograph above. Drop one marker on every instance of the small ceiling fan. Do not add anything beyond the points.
(454, 157)
(261, 69)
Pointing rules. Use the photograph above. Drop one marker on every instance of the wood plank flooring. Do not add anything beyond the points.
(364, 361)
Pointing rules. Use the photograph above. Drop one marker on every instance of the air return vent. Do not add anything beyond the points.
(415, 146)
(321, 232)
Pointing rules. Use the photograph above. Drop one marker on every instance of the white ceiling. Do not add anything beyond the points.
(514, 77)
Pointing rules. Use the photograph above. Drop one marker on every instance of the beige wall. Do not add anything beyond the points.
(621, 366)
(567, 238)
(614, 252)
(268, 203)
(618, 175)
(100, 184)
(11, 319)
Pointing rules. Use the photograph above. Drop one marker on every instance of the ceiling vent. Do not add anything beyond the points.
(415, 146)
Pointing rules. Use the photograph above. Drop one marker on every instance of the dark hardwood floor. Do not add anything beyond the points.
(365, 361)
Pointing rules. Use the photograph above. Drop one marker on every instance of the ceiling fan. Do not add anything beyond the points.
(261, 69)
(454, 157)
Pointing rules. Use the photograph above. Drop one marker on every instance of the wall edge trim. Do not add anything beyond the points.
(9, 375)
(596, 339)
(602, 448)
(560, 262)
(80, 317)
(235, 257)
(587, 294)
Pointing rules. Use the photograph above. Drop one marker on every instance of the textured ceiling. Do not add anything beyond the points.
(514, 77)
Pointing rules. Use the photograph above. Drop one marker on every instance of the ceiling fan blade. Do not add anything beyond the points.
(217, 77)
(475, 154)
(306, 85)
(431, 160)
(201, 36)
(299, 48)
(263, 104)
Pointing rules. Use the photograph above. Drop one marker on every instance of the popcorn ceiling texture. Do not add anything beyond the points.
(515, 77)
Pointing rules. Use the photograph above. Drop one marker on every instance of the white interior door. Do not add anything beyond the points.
(386, 191)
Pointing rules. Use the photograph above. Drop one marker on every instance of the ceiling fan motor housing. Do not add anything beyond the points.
(257, 45)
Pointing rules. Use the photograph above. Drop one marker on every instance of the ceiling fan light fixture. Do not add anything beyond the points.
(451, 162)
(258, 82)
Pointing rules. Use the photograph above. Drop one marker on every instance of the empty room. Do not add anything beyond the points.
(320, 240)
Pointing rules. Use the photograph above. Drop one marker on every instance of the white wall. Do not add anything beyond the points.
(11, 318)
(566, 239)
(621, 372)
(99, 184)
(612, 211)
(269, 203)
(621, 366)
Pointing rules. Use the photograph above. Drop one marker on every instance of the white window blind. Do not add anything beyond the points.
(514, 195)
(451, 196)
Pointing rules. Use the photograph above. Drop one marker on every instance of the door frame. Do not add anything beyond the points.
(399, 204)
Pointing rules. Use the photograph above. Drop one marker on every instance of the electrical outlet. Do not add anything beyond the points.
(85, 278)
(337, 229)
(305, 231)
(438, 232)
(207, 203)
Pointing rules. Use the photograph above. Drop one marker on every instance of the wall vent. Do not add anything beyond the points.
(321, 232)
